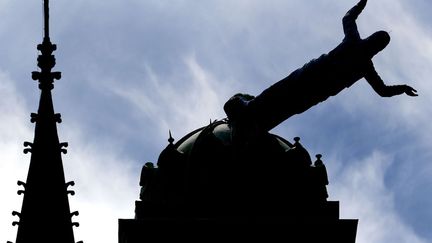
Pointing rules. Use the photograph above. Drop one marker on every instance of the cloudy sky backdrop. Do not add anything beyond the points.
(134, 69)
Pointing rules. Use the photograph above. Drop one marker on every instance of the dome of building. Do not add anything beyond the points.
(212, 172)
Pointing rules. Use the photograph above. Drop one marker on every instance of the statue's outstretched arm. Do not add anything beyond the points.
(387, 91)
(349, 20)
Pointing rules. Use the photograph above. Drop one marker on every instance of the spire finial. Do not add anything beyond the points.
(46, 61)
(170, 139)
(46, 19)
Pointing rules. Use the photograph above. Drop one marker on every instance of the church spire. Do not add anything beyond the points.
(45, 215)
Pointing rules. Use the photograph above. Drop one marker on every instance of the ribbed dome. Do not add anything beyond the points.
(223, 133)
(215, 171)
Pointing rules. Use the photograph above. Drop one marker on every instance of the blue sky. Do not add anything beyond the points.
(134, 69)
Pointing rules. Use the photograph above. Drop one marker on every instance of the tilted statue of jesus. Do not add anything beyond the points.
(319, 79)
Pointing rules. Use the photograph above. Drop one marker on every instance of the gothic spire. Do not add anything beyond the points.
(45, 214)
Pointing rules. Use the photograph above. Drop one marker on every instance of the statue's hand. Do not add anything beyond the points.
(410, 91)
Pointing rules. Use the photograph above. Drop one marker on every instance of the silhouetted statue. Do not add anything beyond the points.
(320, 179)
(147, 180)
(318, 79)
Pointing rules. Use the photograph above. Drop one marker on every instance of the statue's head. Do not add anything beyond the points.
(235, 106)
(376, 43)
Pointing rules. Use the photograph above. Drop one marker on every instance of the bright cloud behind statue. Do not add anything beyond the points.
(132, 70)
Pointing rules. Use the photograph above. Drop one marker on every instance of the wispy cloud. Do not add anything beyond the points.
(13, 164)
(363, 193)
(178, 102)
(106, 185)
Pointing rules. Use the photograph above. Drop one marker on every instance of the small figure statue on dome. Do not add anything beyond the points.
(147, 181)
(320, 179)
